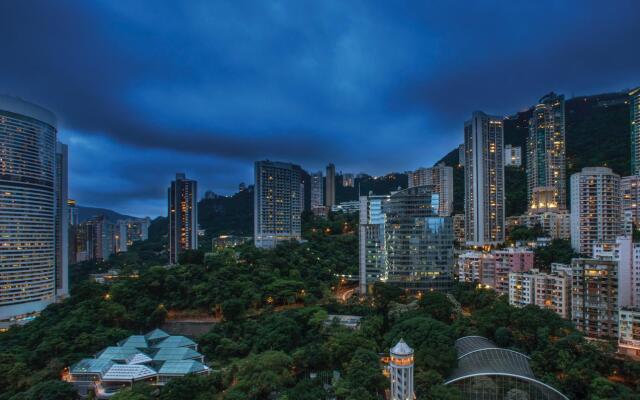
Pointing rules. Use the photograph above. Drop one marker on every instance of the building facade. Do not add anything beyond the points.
(277, 203)
(630, 186)
(404, 242)
(27, 210)
(634, 112)
(546, 154)
(629, 332)
(128, 231)
(512, 156)
(62, 220)
(330, 186)
(511, 259)
(348, 180)
(441, 178)
(551, 291)
(594, 297)
(317, 190)
(596, 208)
(484, 180)
(183, 216)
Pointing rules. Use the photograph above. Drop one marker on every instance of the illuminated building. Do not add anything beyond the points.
(317, 190)
(551, 291)
(629, 332)
(347, 180)
(401, 371)
(512, 156)
(277, 203)
(27, 210)
(458, 227)
(484, 180)
(62, 220)
(594, 297)
(347, 207)
(596, 214)
(477, 267)
(128, 231)
(404, 242)
(330, 186)
(183, 216)
(630, 186)
(634, 111)
(441, 178)
(511, 259)
(546, 149)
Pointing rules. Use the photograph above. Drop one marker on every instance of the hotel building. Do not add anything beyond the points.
(484, 180)
(28, 275)
(277, 203)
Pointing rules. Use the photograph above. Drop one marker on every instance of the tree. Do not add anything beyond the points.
(49, 390)
(437, 305)
(233, 309)
(363, 376)
(383, 295)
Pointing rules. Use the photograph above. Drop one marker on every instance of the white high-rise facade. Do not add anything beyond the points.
(401, 371)
(317, 190)
(596, 208)
(277, 203)
(441, 178)
(27, 209)
(484, 180)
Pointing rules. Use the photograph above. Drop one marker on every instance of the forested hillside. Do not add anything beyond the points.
(597, 134)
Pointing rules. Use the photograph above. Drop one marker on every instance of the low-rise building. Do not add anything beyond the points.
(347, 207)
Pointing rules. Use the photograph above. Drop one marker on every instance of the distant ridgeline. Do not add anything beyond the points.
(597, 134)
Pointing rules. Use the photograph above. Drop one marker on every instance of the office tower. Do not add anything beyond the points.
(347, 180)
(512, 156)
(596, 214)
(404, 242)
(277, 203)
(545, 290)
(27, 209)
(441, 178)
(630, 186)
(401, 371)
(62, 220)
(484, 180)
(330, 186)
(629, 332)
(128, 231)
(634, 111)
(461, 155)
(183, 216)
(594, 297)
(317, 190)
(458, 227)
(546, 149)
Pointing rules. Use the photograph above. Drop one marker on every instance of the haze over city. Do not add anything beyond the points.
(147, 89)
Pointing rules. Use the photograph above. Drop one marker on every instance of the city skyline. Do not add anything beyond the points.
(162, 106)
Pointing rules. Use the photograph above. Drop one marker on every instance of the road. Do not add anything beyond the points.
(344, 293)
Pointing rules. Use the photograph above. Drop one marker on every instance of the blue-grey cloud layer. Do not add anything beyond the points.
(147, 88)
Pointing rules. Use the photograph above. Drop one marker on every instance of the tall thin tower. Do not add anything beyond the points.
(634, 103)
(330, 187)
(484, 180)
(183, 216)
(401, 371)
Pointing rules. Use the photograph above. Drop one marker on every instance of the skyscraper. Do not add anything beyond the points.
(183, 216)
(128, 231)
(317, 190)
(546, 149)
(630, 187)
(512, 156)
(62, 220)
(484, 180)
(330, 188)
(404, 242)
(277, 203)
(27, 209)
(441, 178)
(347, 180)
(596, 213)
(634, 111)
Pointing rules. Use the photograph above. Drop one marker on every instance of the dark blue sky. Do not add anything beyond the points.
(144, 89)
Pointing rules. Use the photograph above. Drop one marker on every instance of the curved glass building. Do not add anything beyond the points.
(487, 372)
(27, 209)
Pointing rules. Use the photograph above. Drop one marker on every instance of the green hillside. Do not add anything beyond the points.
(597, 134)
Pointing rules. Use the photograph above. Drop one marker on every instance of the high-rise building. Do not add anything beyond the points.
(277, 203)
(404, 242)
(27, 209)
(511, 259)
(128, 231)
(461, 155)
(629, 332)
(551, 291)
(546, 166)
(596, 213)
(634, 111)
(73, 212)
(630, 186)
(100, 238)
(183, 216)
(441, 178)
(330, 186)
(512, 156)
(62, 220)
(401, 371)
(347, 180)
(594, 297)
(458, 227)
(484, 180)
(317, 190)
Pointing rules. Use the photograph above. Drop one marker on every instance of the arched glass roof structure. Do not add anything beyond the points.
(486, 371)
